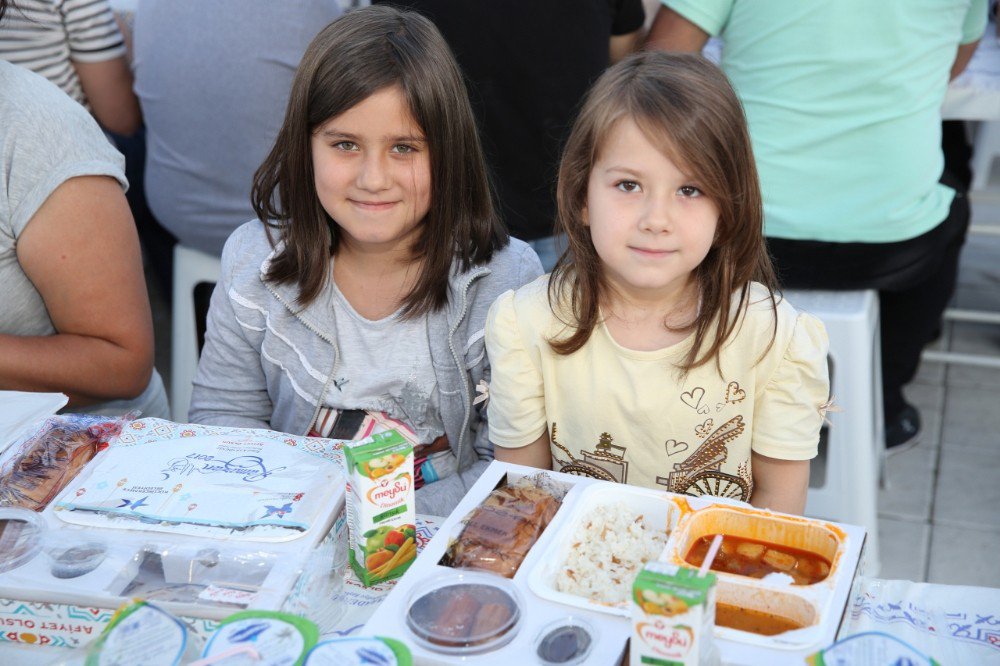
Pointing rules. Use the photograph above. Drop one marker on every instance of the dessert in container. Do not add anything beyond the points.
(466, 613)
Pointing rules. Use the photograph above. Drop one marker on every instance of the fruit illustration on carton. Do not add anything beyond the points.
(383, 466)
(380, 506)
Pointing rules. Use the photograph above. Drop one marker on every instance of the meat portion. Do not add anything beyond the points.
(501, 530)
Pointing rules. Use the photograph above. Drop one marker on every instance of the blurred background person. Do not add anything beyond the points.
(528, 64)
(74, 314)
(213, 81)
(843, 99)
(75, 44)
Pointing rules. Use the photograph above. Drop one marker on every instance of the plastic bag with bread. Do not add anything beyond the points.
(34, 469)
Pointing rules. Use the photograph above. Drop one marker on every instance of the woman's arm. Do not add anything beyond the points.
(81, 251)
(779, 485)
(536, 454)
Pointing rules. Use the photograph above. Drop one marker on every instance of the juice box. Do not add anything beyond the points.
(380, 506)
(673, 614)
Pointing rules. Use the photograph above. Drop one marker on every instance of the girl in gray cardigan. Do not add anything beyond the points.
(359, 302)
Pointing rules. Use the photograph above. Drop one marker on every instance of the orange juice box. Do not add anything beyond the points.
(673, 614)
(380, 506)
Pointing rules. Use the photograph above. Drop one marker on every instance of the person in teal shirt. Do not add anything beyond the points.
(843, 101)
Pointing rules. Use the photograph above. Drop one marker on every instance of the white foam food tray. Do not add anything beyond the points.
(684, 516)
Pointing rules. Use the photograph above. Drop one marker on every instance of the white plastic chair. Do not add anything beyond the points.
(987, 149)
(855, 442)
(191, 267)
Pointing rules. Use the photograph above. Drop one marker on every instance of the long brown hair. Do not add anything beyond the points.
(360, 53)
(685, 106)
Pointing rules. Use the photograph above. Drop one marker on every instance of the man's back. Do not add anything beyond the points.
(529, 63)
(843, 100)
(213, 79)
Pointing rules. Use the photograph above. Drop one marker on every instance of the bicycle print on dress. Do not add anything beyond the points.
(695, 468)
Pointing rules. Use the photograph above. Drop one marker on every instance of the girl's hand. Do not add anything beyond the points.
(779, 485)
(536, 454)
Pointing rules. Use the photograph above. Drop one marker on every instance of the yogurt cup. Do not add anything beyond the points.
(359, 651)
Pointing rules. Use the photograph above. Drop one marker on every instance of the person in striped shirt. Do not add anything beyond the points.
(77, 45)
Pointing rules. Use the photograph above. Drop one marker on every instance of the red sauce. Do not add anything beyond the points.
(756, 559)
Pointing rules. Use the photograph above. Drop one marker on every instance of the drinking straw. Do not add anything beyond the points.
(713, 550)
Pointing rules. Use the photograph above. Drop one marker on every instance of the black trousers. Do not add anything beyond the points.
(915, 280)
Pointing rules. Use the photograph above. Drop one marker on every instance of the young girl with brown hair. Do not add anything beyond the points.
(357, 302)
(657, 353)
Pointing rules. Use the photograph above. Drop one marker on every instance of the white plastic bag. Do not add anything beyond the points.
(954, 624)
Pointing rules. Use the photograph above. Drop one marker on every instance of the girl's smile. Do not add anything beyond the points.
(372, 170)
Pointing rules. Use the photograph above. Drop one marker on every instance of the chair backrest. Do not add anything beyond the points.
(193, 270)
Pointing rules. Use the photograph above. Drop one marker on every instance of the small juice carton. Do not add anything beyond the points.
(673, 615)
(380, 506)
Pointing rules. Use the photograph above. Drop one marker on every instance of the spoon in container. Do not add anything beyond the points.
(713, 550)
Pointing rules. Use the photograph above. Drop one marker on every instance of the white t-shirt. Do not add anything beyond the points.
(385, 367)
(630, 416)
(45, 139)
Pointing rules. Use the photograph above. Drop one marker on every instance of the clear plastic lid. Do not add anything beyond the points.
(77, 560)
(21, 534)
(565, 642)
(465, 613)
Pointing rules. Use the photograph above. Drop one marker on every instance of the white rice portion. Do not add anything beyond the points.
(608, 549)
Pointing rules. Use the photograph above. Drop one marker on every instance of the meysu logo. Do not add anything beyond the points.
(387, 491)
(669, 641)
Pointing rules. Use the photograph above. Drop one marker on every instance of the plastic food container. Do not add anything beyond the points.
(77, 560)
(797, 534)
(659, 511)
(21, 533)
(795, 610)
(565, 642)
(464, 614)
(772, 611)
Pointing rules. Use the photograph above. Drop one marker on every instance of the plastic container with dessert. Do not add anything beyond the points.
(602, 543)
(464, 613)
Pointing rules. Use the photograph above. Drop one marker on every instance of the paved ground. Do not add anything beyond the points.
(938, 512)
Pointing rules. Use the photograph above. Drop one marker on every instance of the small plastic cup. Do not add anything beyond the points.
(21, 533)
(565, 642)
